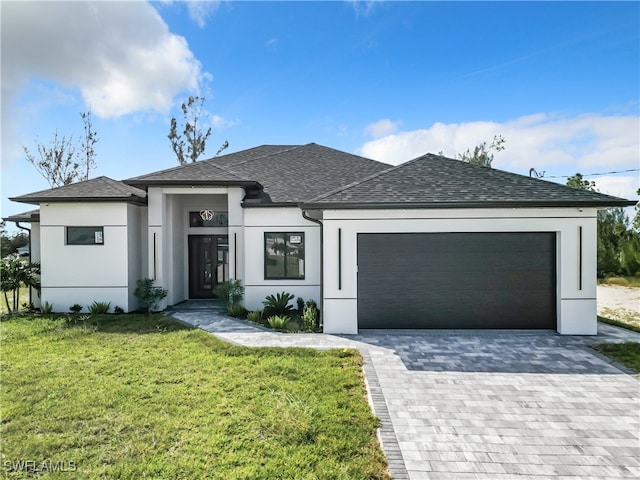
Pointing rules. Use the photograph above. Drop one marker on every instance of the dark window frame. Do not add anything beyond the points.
(286, 236)
(220, 219)
(85, 227)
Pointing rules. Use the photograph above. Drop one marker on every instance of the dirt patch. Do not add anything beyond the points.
(619, 303)
(613, 296)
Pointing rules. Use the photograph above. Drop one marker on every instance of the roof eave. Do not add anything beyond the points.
(487, 204)
(38, 200)
(270, 205)
(199, 183)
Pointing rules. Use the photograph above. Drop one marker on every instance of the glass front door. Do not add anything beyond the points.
(208, 264)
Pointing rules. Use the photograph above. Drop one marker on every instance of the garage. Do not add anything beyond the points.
(494, 280)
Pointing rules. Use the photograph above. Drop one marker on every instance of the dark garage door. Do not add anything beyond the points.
(457, 280)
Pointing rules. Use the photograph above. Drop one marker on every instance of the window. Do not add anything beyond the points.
(85, 236)
(284, 256)
(208, 218)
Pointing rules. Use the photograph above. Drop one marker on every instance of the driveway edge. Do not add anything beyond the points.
(386, 433)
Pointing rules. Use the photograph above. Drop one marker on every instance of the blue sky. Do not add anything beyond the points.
(387, 80)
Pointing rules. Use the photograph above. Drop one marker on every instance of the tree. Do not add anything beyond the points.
(577, 181)
(87, 145)
(15, 273)
(62, 162)
(191, 143)
(57, 163)
(481, 154)
(618, 241)
(10, 243)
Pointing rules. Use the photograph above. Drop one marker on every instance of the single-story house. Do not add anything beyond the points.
(431, 243)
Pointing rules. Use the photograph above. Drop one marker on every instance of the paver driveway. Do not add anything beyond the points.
(469, 404)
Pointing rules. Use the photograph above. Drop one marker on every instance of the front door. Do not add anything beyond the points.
(208, 264)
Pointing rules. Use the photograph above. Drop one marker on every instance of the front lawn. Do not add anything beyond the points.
(130, 397)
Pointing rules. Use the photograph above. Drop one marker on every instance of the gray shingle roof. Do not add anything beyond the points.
(97, 189)
(25, 217)
(435, 181)
(287, 173)
(297, 173)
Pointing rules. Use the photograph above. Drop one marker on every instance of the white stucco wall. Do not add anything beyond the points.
(136, 249)
(576, 299)
(169, 229)
(35, 257)
(257, 221)
(84, 273)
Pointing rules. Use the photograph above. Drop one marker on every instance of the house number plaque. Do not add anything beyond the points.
(206, 215)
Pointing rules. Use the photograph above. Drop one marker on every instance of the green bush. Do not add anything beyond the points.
(231, 291)
(277, 304)
(99, 308)
(310, 318)
(236, 310)
(148, 295)
(46, 308)
(255, 316)
(75, 308)
(278, 322)
(118, 310)
(300, 302)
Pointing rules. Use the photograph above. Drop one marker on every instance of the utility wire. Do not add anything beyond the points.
(542, 175)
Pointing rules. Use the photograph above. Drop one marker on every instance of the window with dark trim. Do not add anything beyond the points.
(85, 236)
(284, 255)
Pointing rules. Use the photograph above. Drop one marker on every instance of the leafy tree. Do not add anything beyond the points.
(481, 154)
(191, 143)
(61, 162)
(577, 181)
(618, 241)
(15, 273)
(10, 243)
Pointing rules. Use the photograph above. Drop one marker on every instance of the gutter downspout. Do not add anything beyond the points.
(315, 220)
(30, 253)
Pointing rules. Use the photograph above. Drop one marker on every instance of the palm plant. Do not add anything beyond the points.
(16, 273)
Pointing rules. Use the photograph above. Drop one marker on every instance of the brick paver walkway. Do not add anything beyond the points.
(484, 404)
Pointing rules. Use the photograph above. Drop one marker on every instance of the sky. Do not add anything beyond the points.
(387, 80)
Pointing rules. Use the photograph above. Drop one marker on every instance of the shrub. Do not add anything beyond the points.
(118, 310)
(75, 308)
(300, 302)
(310, 318)
(255, 316)
(278, 304)
(236, 310)
(98, 308)
(231, 291)
(148, 295)
(278, 322)
(46, 308)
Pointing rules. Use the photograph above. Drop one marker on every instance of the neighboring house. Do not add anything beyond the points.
(431, 243)
(23, 251)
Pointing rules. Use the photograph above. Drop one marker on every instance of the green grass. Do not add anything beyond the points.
(627, 353)
(132, 397)
(621, 281)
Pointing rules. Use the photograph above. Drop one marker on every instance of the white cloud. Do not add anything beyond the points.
(201, 10)
(363, 7)
(585, 143)
(120, 55)
(624, 186)
(382, 128)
